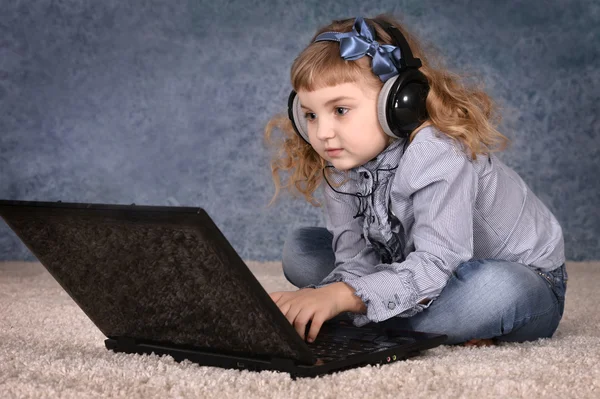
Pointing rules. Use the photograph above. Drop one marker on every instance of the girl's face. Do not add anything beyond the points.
(342, 124)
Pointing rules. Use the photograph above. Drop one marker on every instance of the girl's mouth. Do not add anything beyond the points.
(334, 151)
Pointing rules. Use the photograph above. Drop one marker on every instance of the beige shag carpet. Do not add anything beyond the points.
(49, 348)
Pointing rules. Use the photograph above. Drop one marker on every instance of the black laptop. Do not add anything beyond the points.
(164, 280)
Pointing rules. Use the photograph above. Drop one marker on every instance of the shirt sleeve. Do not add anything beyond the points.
(442, 182)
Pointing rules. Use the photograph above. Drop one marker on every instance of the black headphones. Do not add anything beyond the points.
(401, 102)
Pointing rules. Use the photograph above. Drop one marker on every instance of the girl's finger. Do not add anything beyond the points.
(292, 312)
(285, 308)
(275, 296)
(301, 321)
(315, 327)
(285, 297)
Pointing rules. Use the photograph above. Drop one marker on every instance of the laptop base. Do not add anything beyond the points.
(254, 363)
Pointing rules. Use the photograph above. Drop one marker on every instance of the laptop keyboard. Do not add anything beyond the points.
(329, 350)
(337, 346)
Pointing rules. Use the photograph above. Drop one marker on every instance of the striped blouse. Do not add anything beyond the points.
(404, 221)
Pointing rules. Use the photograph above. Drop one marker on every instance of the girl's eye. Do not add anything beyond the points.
(310, 116)
(341, 111)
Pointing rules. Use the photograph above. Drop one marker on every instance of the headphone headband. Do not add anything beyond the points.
(407, 60)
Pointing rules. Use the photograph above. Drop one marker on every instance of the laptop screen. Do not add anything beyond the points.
(158, 276)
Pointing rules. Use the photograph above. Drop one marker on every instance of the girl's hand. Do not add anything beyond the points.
(316, 305)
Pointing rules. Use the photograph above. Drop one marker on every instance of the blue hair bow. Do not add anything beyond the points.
(360, 42)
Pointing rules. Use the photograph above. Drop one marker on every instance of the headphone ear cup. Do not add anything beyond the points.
(296, 117)
(382, 101)
(406, 106)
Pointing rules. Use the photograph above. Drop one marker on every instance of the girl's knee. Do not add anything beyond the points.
(500, 297)
(308, 239)
(507, 279)
(307, 256)
(295, 247)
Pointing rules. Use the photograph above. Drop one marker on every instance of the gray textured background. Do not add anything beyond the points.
(164, 102)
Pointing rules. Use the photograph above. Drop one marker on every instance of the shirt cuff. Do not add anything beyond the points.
(395, 296)
(385, 303)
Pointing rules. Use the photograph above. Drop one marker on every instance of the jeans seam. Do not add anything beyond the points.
(553, 285)
(546, 278)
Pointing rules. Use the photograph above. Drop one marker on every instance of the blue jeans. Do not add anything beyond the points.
(483, 299)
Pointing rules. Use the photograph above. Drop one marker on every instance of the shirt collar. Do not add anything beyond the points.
(387, 159)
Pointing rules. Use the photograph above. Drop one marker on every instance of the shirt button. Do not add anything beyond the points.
(391, 305)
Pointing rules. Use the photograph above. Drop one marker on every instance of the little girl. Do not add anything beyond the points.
(427, 229)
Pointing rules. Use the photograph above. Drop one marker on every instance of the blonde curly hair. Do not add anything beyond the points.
(463, 112)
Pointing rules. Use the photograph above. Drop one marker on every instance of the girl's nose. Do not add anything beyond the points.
(325, 130)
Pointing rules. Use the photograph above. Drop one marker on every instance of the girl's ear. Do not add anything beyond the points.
(296, 117)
